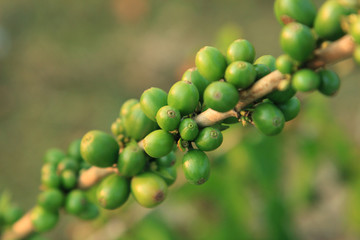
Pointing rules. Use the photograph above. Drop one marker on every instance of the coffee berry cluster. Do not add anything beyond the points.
(149, 130)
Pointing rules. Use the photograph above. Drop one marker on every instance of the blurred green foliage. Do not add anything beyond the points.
(67, 66)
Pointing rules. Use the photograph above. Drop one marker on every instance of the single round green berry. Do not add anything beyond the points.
(328, 20)
(188, 129)
(125, 109)
(196, 167)
(168, 118)
(75, 202)
(290, 109)
(51, 199)
(297, 41)
(305, 80)
(11, 214)
(54, 156)
(183, 96)
(278, 96)
(240, 74)
(285, 64)
(50, 179)
(148, 189)
(74, 150)
(113, 191)
(166, 161)
(158, 143)
(267, 60)
(302, 11)
(209, 139)
(118, 127)
(268, 118)
(68, 179)
(240, 50)
(99, 149)
(43, 220)
(261, 70)
(221, 96)
(152, 100)
(192, 75)
(131, 161)
(211, 63)
(137, 124)
(329, 82)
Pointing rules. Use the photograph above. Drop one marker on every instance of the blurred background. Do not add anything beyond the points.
(67, 66)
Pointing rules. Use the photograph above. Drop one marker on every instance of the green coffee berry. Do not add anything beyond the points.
(328, 20)
(11, 214)
(168, 118)
(158, 143)
(192, 75)
(221, 96)
(329, 82)
(240, 50)
(188, 129)
(126, 107)
(240, 74)
(297, 41)
(152, 100)
(211, 63)
(268, 118)
(302, 11)
(209, 139)
(290, 109)
(131, 161)
(268, 61)
(50, 179)
(99, 149)
(285, 64)
(68, 179)
(196, 167)
(113, 192)
(118, 127)
(137, 124)
(305, 80)
(75, 202)
(43, 220)
(183, 96)
(51, 199)
(148, 189)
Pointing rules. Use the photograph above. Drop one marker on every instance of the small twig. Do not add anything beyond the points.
(93, 175)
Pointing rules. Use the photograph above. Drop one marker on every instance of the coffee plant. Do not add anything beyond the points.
(222, 89)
